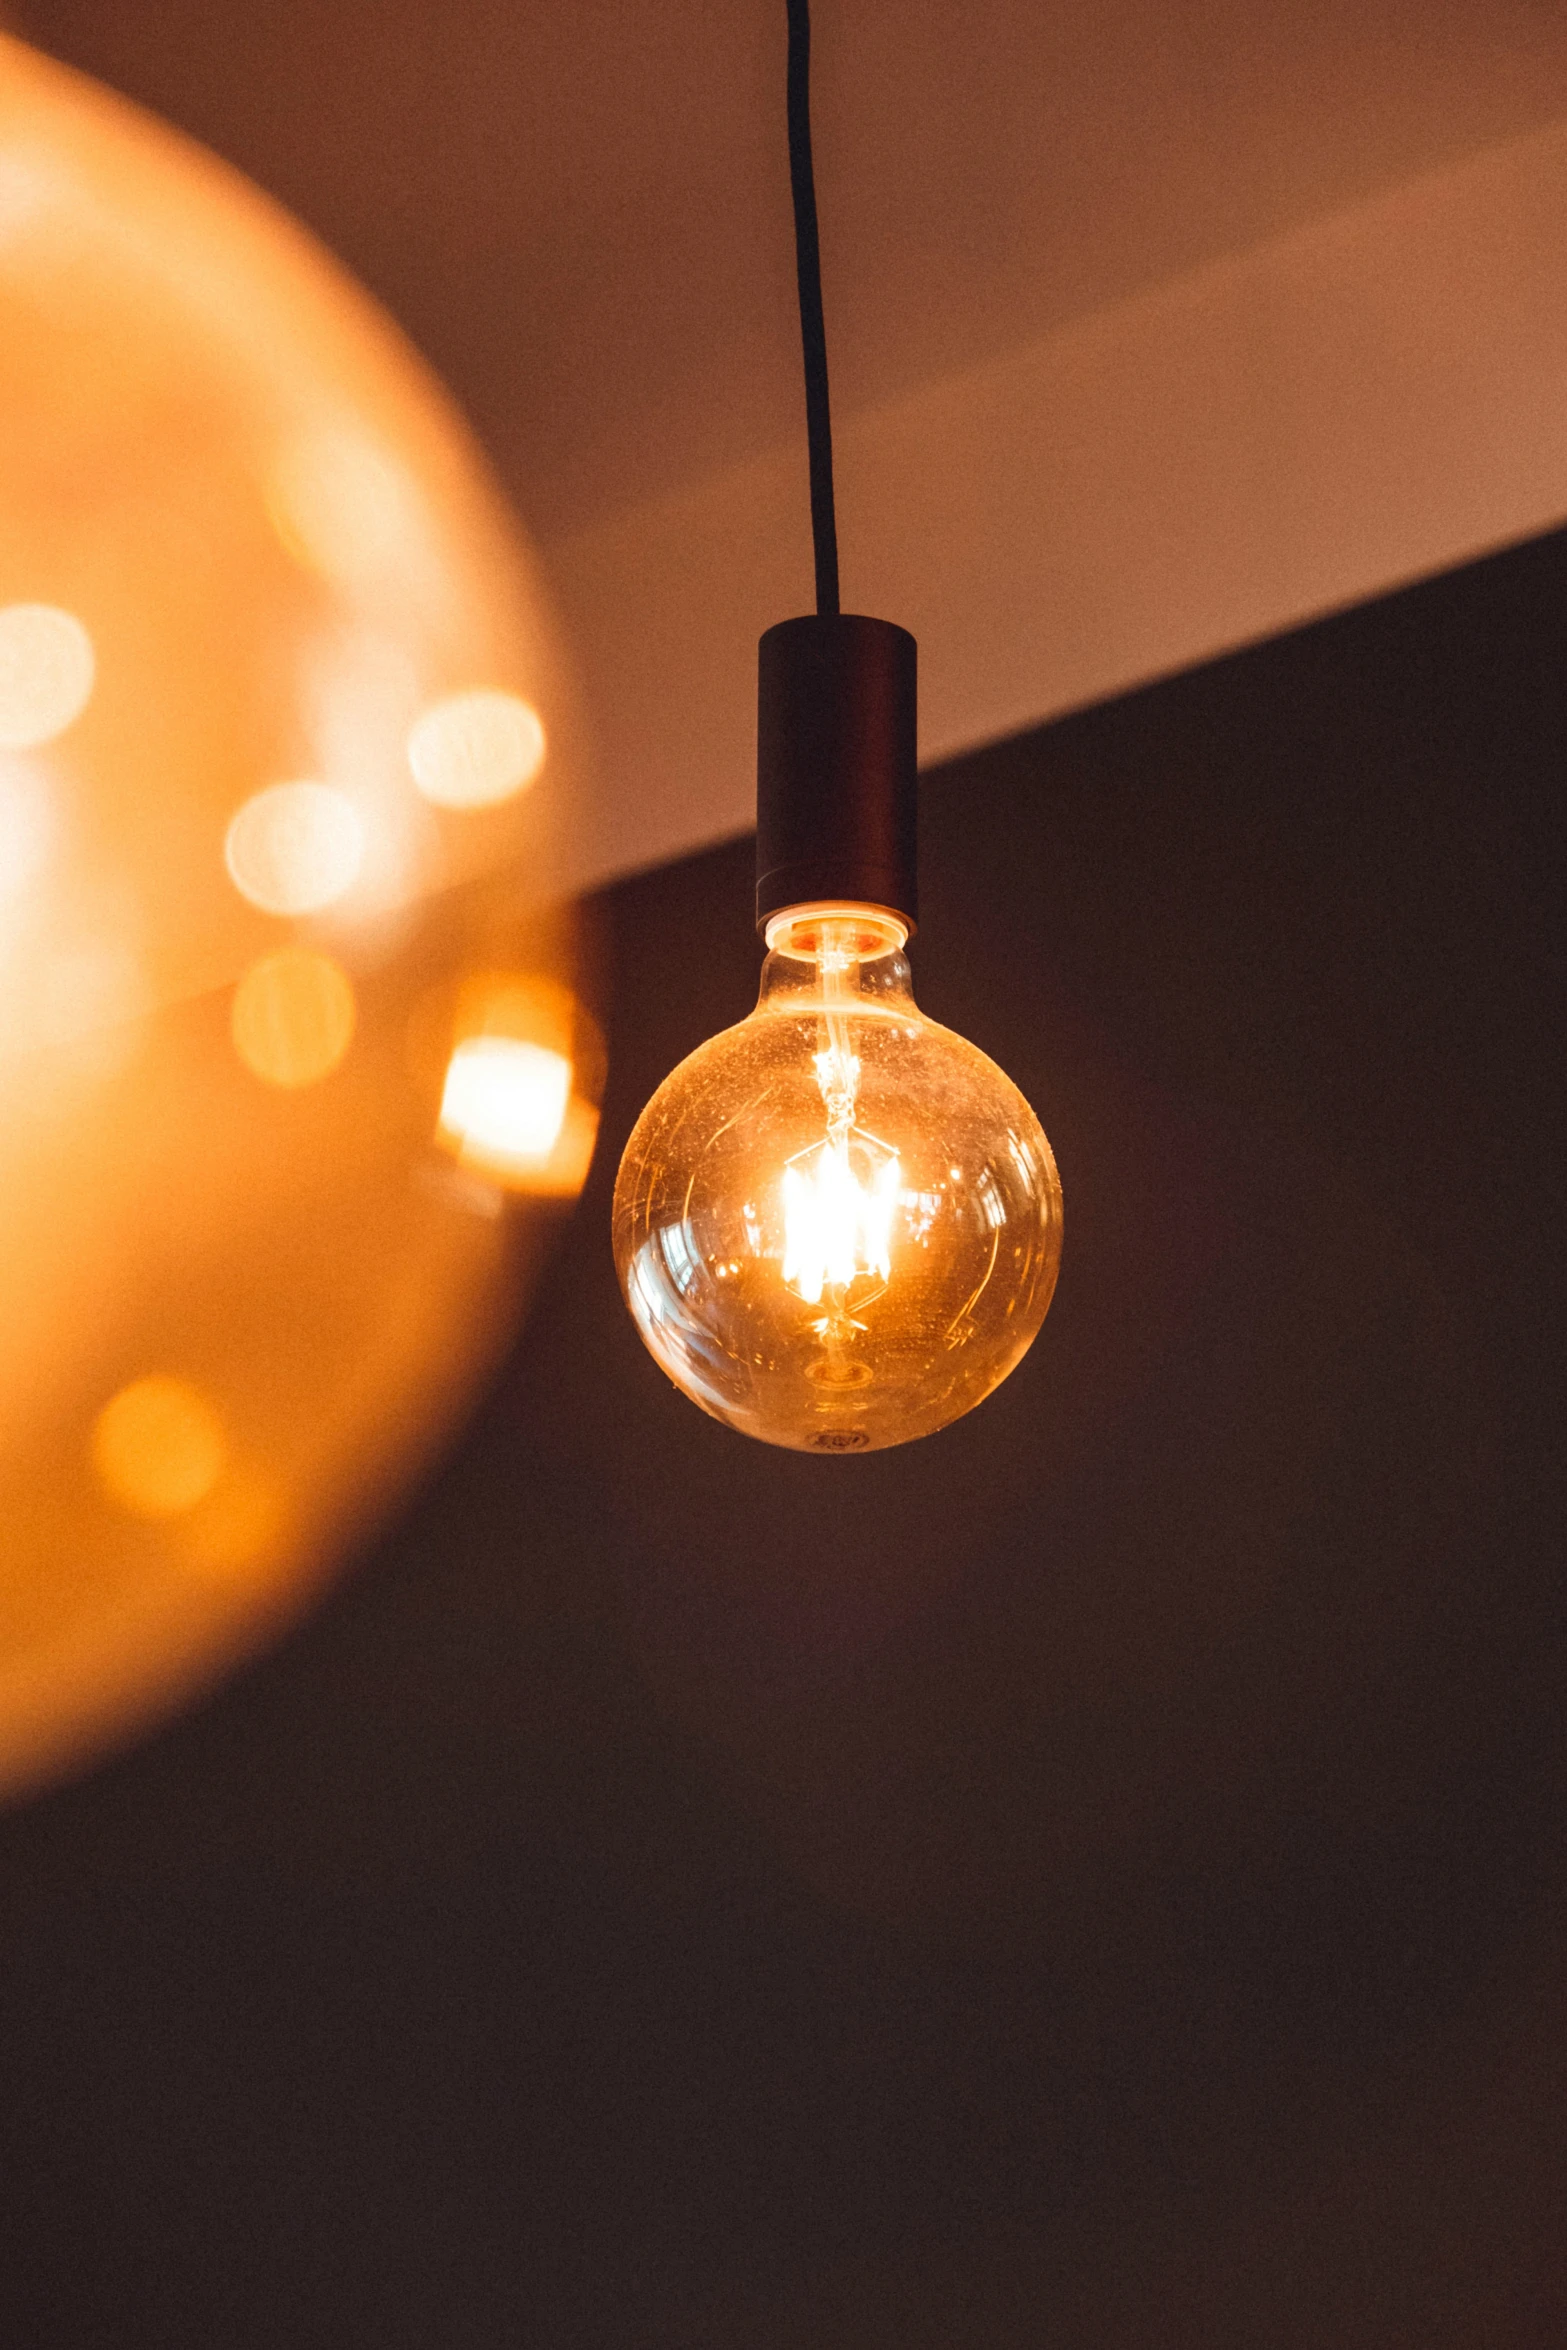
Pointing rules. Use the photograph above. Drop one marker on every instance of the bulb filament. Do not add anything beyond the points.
(837, 1227)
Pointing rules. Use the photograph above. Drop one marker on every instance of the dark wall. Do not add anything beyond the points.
(1093, 1878)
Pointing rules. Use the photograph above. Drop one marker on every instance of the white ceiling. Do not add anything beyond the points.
(580, 213)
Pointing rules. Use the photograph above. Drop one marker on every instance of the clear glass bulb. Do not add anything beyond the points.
(837, 1225)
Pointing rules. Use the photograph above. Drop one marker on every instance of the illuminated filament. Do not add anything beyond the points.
(836, 1228)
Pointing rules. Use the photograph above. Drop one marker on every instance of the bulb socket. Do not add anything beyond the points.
(836, 766)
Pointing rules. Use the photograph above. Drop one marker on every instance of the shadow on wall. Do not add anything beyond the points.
(1092, 1878)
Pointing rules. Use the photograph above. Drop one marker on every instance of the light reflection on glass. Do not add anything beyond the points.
(653, 1279)
(679, 1258)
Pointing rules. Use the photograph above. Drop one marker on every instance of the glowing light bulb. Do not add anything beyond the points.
(244, 1288)
(838, 1224)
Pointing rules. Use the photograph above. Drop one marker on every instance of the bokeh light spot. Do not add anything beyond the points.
(504, 1102)
(158, 1447)
(295, 848)
(27, 826)
(474, 749)
(293, 1016)
(46, 674)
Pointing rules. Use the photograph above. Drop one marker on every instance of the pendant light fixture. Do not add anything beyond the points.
(838, 1224)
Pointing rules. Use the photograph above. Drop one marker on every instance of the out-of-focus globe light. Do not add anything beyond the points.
(838, 1224)
(293, 1047)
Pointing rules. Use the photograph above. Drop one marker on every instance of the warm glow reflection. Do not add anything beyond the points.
(476, 748)
(835, 1227)
(295, 848)
(158, 1447)
(293, 1016)
(46, 674)
(504, 1102)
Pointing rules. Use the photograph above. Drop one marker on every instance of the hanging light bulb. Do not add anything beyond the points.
(837, 1225)
(293, 1056)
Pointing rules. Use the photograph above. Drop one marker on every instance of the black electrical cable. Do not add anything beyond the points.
(835, 699)
(813, 327)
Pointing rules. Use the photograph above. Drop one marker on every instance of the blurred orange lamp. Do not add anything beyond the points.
(293, 1052)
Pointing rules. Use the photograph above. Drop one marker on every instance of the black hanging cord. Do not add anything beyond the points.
(835, 716)
(813, 327)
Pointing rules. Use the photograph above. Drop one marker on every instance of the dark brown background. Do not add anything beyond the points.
(1093, 1878)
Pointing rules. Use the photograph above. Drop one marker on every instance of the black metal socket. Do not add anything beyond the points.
(836, 762)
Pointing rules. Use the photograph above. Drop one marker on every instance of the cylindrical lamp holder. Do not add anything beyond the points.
(836, 762)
